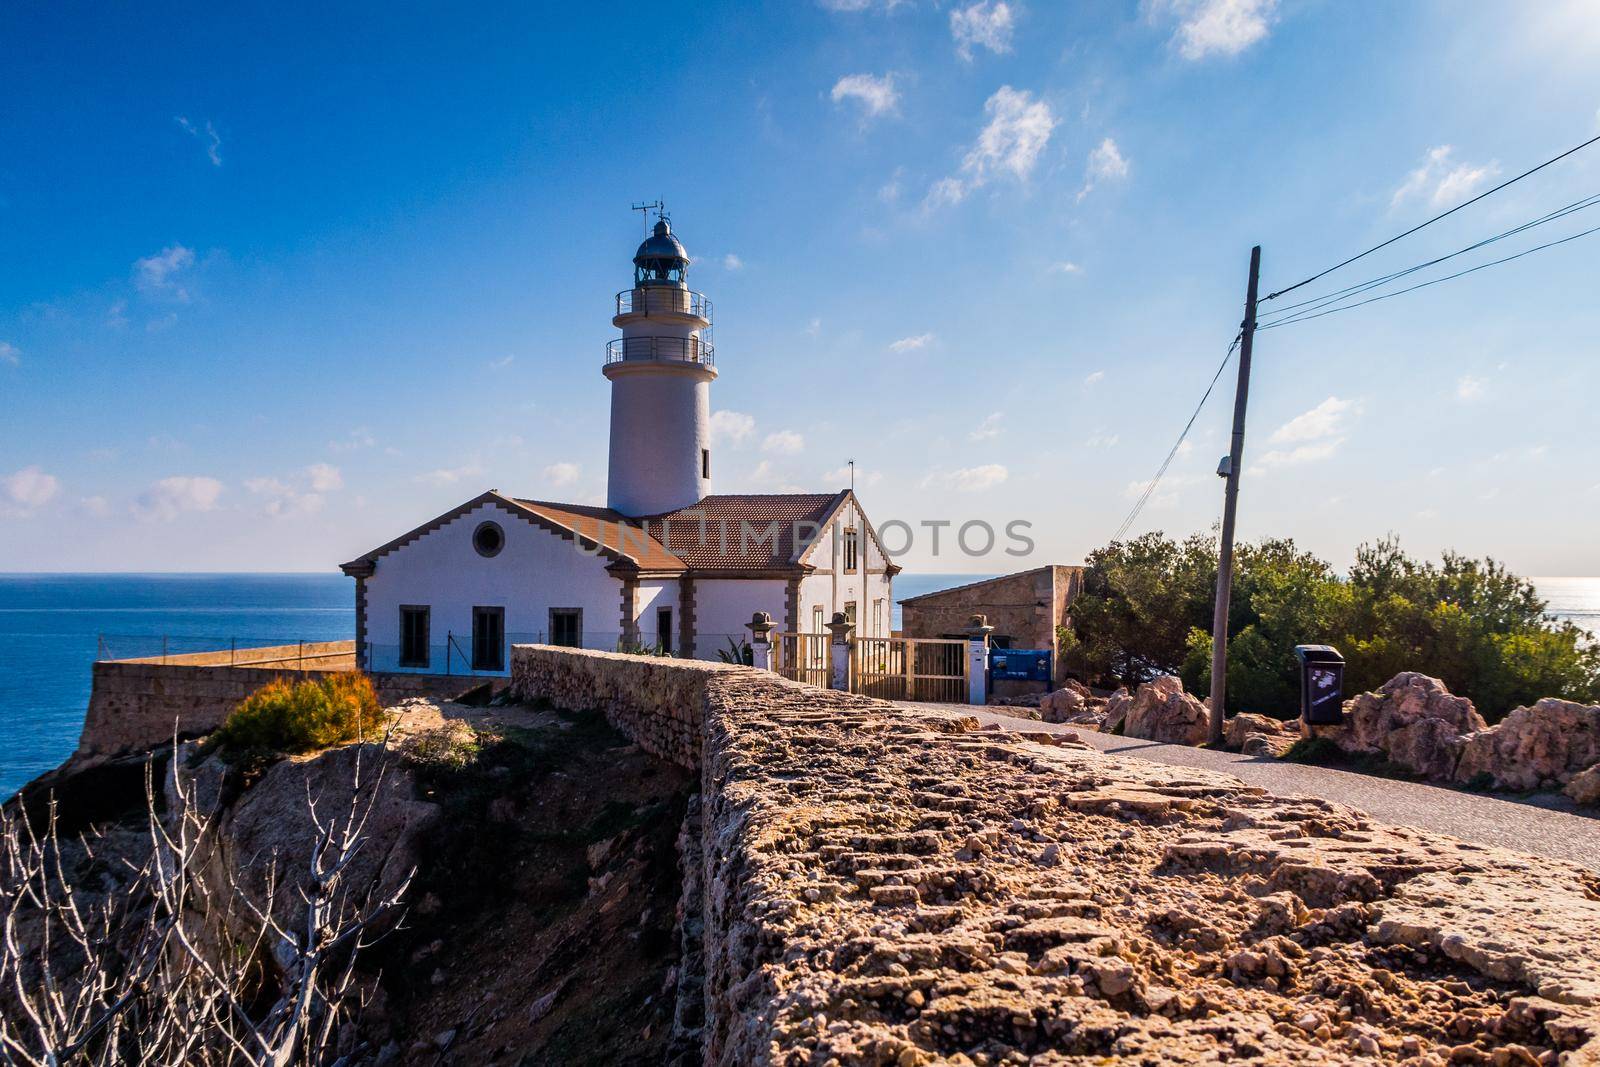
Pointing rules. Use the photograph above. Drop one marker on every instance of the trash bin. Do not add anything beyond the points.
(1321, 684)
(1022, 664)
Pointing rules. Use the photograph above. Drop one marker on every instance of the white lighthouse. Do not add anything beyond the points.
(661, 370)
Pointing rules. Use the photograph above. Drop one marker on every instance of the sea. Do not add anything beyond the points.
(54, 626)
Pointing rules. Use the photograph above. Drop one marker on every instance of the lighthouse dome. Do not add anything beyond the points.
(661, 259)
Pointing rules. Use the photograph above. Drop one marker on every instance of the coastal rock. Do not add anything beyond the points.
(1162, 711)
(1552, 741)
(1056, 706)
(1413, 720)
(1117, 705)
(1242, 725)
(1585, 786)
(1274, 745)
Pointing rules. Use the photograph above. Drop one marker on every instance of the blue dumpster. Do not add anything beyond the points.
(1021, 664)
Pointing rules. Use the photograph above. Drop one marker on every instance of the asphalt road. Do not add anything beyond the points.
(1544, 825)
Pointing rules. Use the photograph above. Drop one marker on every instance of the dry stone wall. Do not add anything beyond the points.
(879, 888)
(135, 705)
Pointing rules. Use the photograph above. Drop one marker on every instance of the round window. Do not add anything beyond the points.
(488, 539)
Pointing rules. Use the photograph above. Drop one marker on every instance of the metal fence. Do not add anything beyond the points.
(295, 652)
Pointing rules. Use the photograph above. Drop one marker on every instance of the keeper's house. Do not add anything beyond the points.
(666, 565)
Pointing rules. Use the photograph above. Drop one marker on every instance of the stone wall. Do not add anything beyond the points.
(877, 887)
(1025, 607)
(136, 705)
(656, 701)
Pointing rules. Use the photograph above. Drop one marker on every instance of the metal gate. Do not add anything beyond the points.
(802, 657)
(910, 668)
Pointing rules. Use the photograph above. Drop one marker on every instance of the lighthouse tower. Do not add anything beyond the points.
(661, 370)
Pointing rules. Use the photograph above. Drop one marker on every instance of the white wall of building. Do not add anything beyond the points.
(654, 594)
(534, 572)
(722, 606)
(833, 589)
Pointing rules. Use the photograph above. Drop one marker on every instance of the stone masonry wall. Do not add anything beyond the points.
(883, 888)
(657, 702)
(135, 705)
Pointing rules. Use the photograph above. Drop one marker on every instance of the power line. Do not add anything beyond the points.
(1151, 488)
(1311, 314)
(1430, 222)
(1328, 298)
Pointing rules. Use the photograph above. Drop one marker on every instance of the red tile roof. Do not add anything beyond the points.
(727, 532)
(757, 531)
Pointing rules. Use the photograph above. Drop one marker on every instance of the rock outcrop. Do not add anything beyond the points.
(1414, 721)
(1238, 732)
(1539, 747)
(1585, 786)
(1162, 711)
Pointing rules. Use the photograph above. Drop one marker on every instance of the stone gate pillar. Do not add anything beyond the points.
(978, 631)
(761, 627)
(839, 652)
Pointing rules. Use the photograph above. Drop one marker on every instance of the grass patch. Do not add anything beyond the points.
(282, 718)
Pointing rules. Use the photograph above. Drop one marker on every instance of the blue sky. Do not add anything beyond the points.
(279, 285)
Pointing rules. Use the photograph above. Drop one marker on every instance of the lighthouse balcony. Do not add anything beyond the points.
(667, 301)
(661, 349)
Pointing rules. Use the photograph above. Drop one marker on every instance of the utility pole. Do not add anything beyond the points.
(1230, 507)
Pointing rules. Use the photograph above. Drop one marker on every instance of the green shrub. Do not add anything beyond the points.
(1146, 608)
(303, 717)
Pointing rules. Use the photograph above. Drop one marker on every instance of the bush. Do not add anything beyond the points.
(303, 717)
(1146, 609)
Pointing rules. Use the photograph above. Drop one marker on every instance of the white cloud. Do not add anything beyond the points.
(30, 488)
(502, 363)
(159, 275)
(1325, 420)
(97, 506)
(1441, 181)
(206, 135)
(1214, 27)
(1094, 377)
(874, 95)
(282, 499)
(732, 262)
(814, 327)
(1306, 453)
(982, 25)
(785, 442)
(853, 6)
(1065, 267)
(449, 475)
(117, 314)
(561, 473)
(731, 427)
(841, 476)
(1016, 134)
(171, 497)
(1470, 388)
(1106, 163)
(1166, 493)
(989, 427)
(360, 437)
(912, 344)
(1103, 440)
(10, 353)
(325, 477)
(968, 479)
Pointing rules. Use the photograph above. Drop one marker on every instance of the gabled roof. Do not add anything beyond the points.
(738, 531)
(732, 532)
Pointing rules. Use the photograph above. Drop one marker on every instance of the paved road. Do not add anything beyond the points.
(1544, 826)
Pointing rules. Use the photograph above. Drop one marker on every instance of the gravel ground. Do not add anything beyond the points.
(1544, 826)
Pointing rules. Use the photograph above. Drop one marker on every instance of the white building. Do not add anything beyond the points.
(667, 564)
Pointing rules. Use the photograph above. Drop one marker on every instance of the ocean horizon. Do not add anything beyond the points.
(54, 625)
